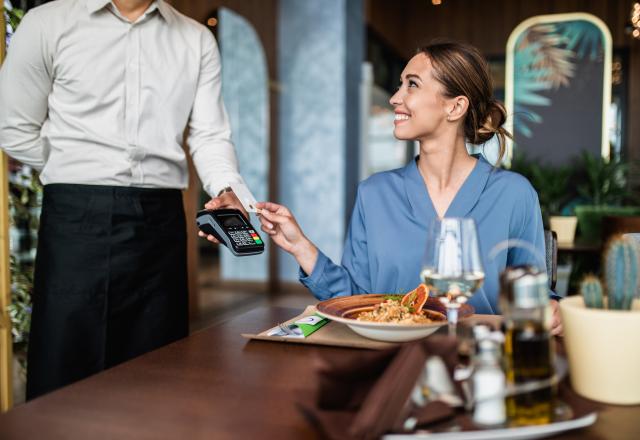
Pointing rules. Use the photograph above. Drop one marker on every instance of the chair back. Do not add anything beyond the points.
(551, 255)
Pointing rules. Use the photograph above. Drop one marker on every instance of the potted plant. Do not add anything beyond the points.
(602, 332)
(25, 197)
(604, 191)
(554, 194)
(20, 315)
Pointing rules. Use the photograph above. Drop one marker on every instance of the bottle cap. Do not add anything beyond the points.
(488, 350)
(524, 287)
(480, 331)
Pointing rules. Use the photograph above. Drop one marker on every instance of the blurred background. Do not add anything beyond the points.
(307, 83)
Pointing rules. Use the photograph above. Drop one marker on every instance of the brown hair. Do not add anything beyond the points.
(462, 70)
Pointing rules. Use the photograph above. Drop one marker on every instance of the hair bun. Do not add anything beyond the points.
(495, 117)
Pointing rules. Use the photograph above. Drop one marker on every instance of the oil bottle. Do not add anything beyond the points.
(529, 346)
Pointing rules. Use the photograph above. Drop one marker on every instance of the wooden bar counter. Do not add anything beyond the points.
(212, 385)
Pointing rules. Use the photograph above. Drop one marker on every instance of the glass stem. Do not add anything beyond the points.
(452, 318)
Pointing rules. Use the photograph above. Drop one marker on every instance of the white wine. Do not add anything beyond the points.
(456, 288)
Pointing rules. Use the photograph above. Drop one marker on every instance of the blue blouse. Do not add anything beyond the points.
(388, 231)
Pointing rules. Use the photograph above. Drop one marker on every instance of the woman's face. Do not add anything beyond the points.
(421, 110)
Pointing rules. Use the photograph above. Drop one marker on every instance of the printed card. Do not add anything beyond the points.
(244, 195)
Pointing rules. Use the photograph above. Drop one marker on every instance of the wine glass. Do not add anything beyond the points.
(452, 267)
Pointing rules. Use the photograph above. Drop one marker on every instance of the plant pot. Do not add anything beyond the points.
(602, 347)
(564, 227)
(590, 219)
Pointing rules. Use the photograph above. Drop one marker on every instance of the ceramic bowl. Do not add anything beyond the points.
(344, 309)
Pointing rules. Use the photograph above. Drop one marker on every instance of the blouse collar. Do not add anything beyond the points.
(463, 202)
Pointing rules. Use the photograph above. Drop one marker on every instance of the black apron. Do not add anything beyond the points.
(110, 280)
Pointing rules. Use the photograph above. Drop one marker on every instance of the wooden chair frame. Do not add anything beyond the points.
(6, 346)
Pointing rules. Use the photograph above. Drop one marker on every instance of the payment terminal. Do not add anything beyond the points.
(232, 229)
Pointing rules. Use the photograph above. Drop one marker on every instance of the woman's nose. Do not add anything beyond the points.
(395, 99)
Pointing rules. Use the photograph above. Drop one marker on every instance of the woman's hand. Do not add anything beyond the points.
(556, 320)
(281, 225)
(227, 199)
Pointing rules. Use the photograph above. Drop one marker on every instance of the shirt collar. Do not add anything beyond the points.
(463, 202)
(96, 5)
(164, 9)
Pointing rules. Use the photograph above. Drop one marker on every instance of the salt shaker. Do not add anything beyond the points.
(489, 381)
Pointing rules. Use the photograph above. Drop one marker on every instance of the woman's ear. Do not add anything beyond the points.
(457, 108)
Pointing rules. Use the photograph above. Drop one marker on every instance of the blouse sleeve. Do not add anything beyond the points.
(528, 227)
(328, 279)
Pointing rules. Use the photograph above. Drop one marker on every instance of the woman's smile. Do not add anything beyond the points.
(400, 117)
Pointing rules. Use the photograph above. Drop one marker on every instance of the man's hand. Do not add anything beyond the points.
(225, 200)
(556, 320)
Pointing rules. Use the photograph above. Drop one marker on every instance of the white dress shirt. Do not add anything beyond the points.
(88, 97)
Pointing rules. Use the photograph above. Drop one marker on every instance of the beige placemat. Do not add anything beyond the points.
(333, 333)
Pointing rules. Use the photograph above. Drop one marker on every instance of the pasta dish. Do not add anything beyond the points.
(392, 311)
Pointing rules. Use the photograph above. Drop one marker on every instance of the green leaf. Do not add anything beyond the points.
(582, 37)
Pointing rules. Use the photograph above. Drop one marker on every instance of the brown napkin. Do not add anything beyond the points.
(363, 395)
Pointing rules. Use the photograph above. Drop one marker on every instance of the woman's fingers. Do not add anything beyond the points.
(266, 224)
(556, 319)
(263, 220)
(270, 206)
(275, 218)
(279, 223)
(273, 208)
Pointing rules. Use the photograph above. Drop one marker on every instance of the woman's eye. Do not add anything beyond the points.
(413, 83)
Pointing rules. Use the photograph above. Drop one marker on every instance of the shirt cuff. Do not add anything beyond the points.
(555, 296)
(214, 187)
(312, 280)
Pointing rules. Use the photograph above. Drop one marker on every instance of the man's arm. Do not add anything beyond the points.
(209, 131)
(25, 83)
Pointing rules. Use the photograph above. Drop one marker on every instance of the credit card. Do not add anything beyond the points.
(244, 195)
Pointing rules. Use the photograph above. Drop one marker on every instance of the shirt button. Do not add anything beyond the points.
(136, 154)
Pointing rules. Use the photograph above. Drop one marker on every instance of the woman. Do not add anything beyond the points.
(444, 98)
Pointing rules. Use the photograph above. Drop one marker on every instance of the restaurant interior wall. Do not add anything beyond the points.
(320, 57)
(245, 93)
(262, 16)
(308, 161)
